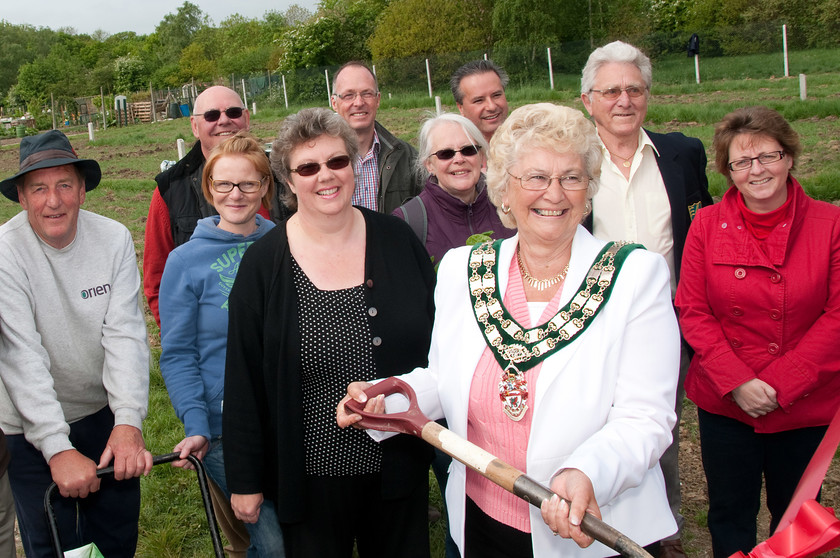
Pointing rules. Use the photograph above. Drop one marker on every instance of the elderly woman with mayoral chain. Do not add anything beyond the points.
(541, 356)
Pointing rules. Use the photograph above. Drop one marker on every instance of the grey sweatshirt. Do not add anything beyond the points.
(72, 332)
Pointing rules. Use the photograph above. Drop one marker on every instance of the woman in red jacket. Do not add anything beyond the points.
(759, 302)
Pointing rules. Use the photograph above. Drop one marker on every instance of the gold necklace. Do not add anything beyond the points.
(627, 160)
(539, 284)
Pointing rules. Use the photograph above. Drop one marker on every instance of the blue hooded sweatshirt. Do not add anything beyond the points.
(193, 301)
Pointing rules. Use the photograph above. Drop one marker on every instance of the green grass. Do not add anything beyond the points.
(172, 521)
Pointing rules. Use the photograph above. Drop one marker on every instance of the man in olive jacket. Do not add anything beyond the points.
(385, 177)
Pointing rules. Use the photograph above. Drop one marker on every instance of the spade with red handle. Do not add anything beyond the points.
(415, 423)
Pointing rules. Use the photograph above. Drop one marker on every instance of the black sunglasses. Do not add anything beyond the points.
(214, 114)
(309, 169)
(466, 151)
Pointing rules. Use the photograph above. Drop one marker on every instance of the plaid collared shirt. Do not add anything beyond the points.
(367, 177)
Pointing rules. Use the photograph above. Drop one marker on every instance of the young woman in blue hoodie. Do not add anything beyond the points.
(194, 293)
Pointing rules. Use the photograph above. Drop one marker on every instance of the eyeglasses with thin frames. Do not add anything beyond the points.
(350, 96)
(309, 169)
(466, 151)
(213, 115)
(614, 93)
(571, 182)
(226, 186)
(763, 158)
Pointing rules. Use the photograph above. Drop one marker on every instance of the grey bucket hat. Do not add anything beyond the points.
(50, 149)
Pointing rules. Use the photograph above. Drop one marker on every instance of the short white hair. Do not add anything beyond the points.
(615, 52)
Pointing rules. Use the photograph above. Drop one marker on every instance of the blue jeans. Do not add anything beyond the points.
(266, 536)
(107, 517)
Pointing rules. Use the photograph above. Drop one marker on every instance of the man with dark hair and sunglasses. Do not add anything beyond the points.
(177, 202)
(651, 187)
(384, 168)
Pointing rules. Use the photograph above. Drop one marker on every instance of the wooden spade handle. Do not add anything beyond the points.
(414, 422)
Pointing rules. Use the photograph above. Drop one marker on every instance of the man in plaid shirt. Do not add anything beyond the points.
(385, 175)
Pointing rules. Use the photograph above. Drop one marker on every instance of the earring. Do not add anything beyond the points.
(505, 208)
(587, 208)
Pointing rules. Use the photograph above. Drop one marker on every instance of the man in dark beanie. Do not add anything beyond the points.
(74, 357)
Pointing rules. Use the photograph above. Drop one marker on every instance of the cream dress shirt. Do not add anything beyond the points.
(638, 209)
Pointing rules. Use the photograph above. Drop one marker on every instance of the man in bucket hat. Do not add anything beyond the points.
(74, 357)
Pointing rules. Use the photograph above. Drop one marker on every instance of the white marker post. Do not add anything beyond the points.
(803, 87)
(181, 146)
(550, 70)
(329, 94)
(90, 131)
(438, 106)
(784, 47)
(244, 94)
(285, 96)
(697, 67)
(429, 77)
(253, 108)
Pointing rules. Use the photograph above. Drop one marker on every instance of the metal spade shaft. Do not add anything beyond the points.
(414, 422)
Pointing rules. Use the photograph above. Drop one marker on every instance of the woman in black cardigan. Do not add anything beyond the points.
(336, 293)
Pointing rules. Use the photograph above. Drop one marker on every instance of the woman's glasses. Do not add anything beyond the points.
(542, 181)
(310, 169)
(214, 114)
(466, 151)
(764, 158)
(246, 186)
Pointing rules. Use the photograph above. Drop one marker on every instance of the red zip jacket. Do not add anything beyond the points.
(772, 314)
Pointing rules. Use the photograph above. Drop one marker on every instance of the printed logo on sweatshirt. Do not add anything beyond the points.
(96, 291)
(227, 266)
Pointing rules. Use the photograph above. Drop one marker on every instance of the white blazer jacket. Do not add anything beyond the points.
(604, 404)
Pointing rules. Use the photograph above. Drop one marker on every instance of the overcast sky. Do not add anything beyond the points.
(140, 16)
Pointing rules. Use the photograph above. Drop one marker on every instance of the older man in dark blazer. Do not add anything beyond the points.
(650, 189)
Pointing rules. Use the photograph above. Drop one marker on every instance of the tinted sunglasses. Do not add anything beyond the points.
(466, 151)
(214, 114)
(310, 169)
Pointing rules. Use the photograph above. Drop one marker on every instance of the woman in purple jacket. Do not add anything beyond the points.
(453, 204)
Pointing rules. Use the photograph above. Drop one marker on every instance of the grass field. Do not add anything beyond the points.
(172, 523)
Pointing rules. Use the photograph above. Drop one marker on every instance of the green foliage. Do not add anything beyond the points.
(21, 44)
(407, 29)
(337, 34)
(129, 74)
(195, 64)
(242, 47)
(533, 22)
(176, 31)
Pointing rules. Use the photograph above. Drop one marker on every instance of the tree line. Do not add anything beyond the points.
(186, 46)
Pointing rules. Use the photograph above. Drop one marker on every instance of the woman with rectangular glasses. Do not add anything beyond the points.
(194, 293)
(337, 294)
(453, 204)
(759, 302)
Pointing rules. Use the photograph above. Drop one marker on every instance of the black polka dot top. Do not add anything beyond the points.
(336, 349)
